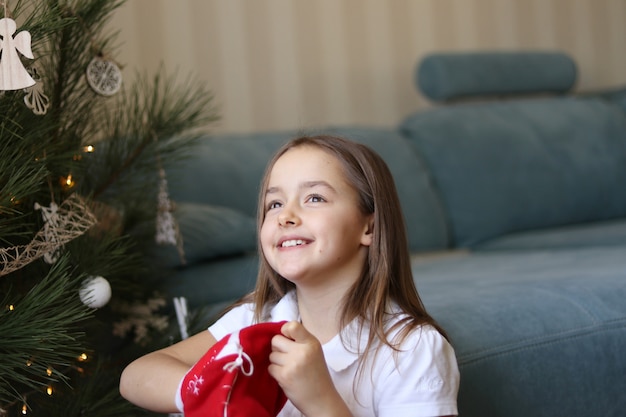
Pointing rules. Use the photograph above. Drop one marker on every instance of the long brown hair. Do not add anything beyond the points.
(387, 278)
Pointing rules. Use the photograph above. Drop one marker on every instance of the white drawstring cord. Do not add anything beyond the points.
(239, 363)
(233, 346)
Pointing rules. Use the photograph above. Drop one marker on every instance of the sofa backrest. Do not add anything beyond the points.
(523, 164)
(515, 163)
(225, 170)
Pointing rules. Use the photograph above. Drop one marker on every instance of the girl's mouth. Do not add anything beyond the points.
(292, 242)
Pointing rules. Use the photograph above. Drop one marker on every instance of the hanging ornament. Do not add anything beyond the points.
(104, 76)
(13, 75)
(138, 318)
(180, 305)
(182, 314)
(95, 292)
(50, 230)
(63, 223)
(35, 98)
(167, 231)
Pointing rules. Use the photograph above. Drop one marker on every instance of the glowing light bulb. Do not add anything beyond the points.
(67, 182)
(83, 357)
(49, 371)
(88, 148)
(24, 409)
(49, 390)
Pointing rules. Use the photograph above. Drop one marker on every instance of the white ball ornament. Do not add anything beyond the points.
(95, 292)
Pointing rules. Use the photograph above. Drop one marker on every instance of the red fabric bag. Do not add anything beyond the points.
(231, 379)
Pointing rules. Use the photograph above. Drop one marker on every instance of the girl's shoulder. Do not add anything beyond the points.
(422, 350)
(402, 327)
(421, 372)
(243, 315)
(405, 336)
(233, 320)
(424, 336)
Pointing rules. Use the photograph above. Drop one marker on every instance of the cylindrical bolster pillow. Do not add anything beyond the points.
(445, 76)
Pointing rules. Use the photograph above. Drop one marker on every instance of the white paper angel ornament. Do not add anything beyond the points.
(13, 75)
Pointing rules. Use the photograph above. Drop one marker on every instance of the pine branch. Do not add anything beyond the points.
(125, 165)
(155, 118)
(43, 331)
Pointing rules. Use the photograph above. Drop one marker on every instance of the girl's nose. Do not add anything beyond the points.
(287, 217)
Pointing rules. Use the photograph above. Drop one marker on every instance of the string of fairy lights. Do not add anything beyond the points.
(68, 182)
(48, 388)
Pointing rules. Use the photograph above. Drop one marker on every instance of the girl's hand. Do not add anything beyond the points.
(297, 363)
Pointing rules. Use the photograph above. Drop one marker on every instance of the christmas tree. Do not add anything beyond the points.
(83, 199)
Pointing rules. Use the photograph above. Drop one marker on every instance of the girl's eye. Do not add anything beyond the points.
(272, 205)
(316, 198)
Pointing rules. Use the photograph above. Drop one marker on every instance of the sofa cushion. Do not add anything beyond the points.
(225, 170)
(615, 96)
(215, 283)
(596, 234)
(540, 330)
(525, 164)
(445, 76)
(210, 232)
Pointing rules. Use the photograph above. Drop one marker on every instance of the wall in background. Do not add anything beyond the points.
(289, 64)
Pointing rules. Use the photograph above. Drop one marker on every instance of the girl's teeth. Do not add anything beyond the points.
(289, 243)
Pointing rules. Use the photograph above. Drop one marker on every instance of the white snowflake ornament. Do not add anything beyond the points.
(104, 76)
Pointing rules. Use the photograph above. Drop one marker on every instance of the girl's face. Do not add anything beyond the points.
(313, 232)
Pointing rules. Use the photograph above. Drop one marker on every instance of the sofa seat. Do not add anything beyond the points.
(594, 234)
(557, 345)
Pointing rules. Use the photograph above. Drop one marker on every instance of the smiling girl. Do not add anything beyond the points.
(334, 264)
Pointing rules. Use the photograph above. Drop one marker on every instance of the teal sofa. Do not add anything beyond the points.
(514, 196)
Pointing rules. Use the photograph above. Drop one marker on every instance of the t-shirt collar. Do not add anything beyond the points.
(286, 309)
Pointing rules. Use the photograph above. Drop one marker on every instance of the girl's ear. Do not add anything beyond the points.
(368, 234)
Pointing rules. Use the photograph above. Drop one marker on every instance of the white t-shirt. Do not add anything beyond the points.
(421, 380)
